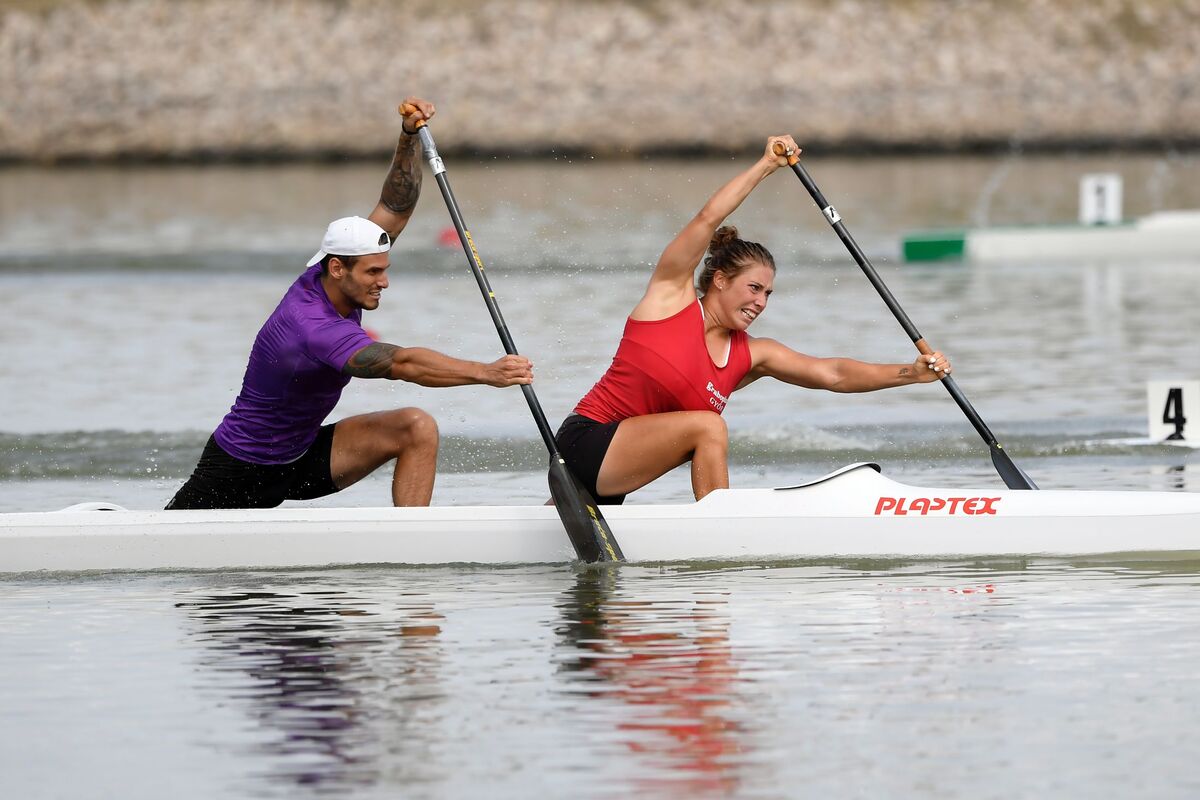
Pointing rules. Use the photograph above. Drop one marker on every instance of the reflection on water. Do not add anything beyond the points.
(821, 680)
(343, 690)
(670, 665)
(315, 692)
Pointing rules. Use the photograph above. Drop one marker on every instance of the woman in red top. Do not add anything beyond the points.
(685, 350)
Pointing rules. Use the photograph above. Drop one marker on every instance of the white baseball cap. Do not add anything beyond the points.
(352, 236)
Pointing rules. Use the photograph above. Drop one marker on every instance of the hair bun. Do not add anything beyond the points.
(723, 237)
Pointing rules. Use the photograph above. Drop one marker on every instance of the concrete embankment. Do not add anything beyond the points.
(300, 78)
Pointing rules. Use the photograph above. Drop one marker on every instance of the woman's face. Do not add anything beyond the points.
(743, 297)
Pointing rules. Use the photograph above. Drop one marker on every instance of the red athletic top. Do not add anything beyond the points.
(664, 365)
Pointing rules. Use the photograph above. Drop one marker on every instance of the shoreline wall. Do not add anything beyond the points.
(287, 79)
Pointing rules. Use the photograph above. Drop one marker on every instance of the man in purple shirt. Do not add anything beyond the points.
(272, 445)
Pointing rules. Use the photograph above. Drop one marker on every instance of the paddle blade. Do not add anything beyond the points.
(589, 532)
(1010, 473)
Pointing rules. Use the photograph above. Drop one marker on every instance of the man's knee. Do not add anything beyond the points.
(416, 428)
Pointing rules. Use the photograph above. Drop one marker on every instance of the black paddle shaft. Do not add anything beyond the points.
(1012, 475)
(586, 527)
(485, 288)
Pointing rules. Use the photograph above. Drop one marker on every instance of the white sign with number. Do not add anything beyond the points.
(1173, 409)
(1100, 199)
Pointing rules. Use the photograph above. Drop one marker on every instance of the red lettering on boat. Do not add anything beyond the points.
(970, 506)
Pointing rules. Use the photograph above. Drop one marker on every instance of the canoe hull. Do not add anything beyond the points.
(854, 513)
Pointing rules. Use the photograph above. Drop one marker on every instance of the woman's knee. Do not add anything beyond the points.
(710, 430)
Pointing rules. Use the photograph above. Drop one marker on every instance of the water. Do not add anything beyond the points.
(1027, 680)
(128, 301)
(150, 283)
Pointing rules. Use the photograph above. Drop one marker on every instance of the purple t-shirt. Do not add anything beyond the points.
(294, 377)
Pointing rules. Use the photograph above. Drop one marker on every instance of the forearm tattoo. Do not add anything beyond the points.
(373, 361)
(403, 184)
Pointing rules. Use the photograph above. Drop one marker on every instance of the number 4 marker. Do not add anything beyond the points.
(1170, 407)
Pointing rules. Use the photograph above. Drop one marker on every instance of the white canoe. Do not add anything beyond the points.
(852, 513)
(1166, 235)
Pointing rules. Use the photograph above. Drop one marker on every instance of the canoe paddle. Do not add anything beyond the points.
(589, 532)
(1013, 476)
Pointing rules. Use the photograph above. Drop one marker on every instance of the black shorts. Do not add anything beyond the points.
(582, 442)
(222, 481)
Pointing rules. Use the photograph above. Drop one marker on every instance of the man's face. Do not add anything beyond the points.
(363, 283)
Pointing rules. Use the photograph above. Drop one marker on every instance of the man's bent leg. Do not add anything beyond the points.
(363, 443)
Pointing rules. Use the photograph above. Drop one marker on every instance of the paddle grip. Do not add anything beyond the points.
(780, 150)
(923, 347)
(408, 108)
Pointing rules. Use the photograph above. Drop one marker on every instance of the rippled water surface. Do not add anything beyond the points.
(129, 298)
(855, 680)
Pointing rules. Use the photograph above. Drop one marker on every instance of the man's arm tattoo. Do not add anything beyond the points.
(403, 184)
(373, 361)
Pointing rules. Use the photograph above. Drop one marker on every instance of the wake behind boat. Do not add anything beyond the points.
(855, 512)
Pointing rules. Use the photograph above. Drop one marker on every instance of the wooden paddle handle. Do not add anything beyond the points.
(780, 150)
(923, 347)
(408, 108)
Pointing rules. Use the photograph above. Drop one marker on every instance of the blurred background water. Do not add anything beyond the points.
(130, 296)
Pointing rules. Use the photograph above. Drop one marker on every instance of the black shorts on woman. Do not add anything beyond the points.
(583, 442)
